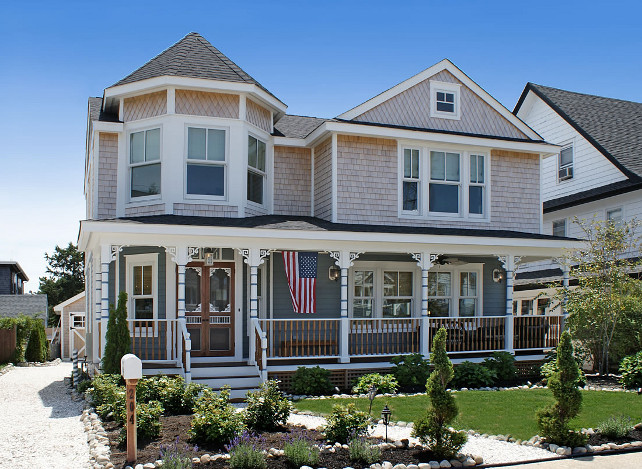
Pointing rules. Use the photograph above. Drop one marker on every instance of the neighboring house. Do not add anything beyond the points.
(597, 173)
(13, 301)
(72, 326)
(418, 204)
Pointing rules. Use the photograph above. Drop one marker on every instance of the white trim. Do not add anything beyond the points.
(59, 306)
(136, 260)
(429, 72)
(264, 173)
(334, 177)
(224, 163)
(130, 165)
(444, 87)
(312, 181)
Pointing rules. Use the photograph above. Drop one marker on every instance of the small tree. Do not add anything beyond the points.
(117, 339)
(433, 429)
(553, 421)
(37, 349)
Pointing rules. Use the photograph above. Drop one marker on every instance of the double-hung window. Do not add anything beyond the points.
(476, 188)
(206, 162)
(397, 294)
(443, 189)
(410, 181)
(144, 162)
(364, 293)
(559, 227)
(439, 293)
(142, 288)
(565, 170)
(468, 294)
(256, 174)
(455, 292)
(382, 292)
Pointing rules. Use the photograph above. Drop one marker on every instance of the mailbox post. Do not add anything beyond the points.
(132, 370)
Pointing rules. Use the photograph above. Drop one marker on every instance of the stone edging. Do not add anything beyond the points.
(55, 362)
(7, 369)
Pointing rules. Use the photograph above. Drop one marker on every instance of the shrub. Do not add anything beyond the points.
(246, 452)
(346, 422)
(215, 421)
(553, 421)
(171, 392)
(411, 370)
(267, 409)
(631, 369)
(363, 452)
(616, 426)
(300, 450)
(384, 384)
(148, 424)
(503, 365)
(311, 381)
(104, 389)
(176, 456)
(433, 429)
(37, 348)
(550, 366)
(117, 338)
(24, 325)
(472, 375)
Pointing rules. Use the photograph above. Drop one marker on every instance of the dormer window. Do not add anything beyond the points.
(566, 163)
(444, 100)
(144, 162)
(206, 162)
(255, 170)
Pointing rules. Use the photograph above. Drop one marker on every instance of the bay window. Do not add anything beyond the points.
(206, 162)
(256, 174)
(144, 163)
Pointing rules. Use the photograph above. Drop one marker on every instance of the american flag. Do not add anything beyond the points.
(301, 271)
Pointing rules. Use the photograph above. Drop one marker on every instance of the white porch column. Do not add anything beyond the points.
(107, 253)
(344, 260)
(509, 261)
(97, 307)
(254, 257)
(425, 261)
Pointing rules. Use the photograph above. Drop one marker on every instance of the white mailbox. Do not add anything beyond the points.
(131, 367)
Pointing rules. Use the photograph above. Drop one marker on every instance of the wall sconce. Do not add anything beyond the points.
(498, 275)
(334, 273)
(209, 258)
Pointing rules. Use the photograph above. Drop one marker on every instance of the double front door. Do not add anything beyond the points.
(209, 308)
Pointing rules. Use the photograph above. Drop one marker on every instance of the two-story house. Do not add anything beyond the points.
(597, 173)
(411, 211)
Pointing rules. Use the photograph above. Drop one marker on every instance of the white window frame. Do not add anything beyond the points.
(254, 170)
(445, 87)
(131, 165)
(608, 211)
(378, 268)
(455, 287)
(418, 180)
(224, 164)
(74, 317)
(423, 205)
(558, 221)
(137, 260)
(570, 165)
(460, 184)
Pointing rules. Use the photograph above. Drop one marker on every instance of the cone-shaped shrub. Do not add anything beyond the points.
(117, 339)
(432, 429)
(553, 421)
(37, 349)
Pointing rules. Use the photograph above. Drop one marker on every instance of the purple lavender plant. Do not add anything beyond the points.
(177, 456)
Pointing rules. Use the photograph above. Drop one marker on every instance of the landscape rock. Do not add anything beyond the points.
(444, 463)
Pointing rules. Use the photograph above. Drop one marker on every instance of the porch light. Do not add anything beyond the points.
(498, 275)
(334, 273)
(385, 416)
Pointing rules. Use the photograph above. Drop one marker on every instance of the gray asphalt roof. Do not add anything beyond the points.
(614, 126)
(193, 57)
(31, 305)
(297, 126)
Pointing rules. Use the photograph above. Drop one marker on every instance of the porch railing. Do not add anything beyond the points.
(393, 336)
(483, 333)
(154, 339)
(260, 349)
(301, 338)
(536, 332)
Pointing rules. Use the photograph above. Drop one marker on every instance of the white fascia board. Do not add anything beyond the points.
(290, 142)
(445, 64)
(201, 84)
(101, 126)
(283, 239)
(59, 307)
(377, 131)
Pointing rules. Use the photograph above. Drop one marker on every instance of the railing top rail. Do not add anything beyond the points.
(297, 319)
(539, 316)
(152, 320)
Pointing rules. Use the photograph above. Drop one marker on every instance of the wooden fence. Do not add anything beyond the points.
(7, 344)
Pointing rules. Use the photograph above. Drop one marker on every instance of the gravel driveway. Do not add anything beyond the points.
(39, 423)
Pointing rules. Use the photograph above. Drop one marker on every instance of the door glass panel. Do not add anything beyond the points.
(193, 289)
(220, 290)
(219, 339)
(195, 336)
(147, 280)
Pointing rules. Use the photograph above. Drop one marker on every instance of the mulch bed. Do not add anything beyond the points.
(178, 426)
(599, 439)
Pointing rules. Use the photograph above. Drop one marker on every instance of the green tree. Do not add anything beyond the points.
(553, 421)
(605, 310)
(37, 348)
(64, 277)
(433, 429)
(117, 338)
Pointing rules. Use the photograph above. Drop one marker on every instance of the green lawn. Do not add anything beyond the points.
(502, 412)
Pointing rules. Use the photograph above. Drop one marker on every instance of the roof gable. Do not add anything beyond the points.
(191, 57)
(612, 126)
(408, 104)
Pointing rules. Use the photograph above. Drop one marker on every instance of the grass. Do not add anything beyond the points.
(502, 412)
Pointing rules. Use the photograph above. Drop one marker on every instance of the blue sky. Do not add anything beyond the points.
(320, 58)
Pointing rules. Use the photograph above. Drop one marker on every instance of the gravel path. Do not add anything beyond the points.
(39, 423)
(493, 451)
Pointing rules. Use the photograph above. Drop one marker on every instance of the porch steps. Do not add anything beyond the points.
(162, 368)
(240, 376)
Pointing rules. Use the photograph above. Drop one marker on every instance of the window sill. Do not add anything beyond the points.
(432, 217)
(142, 201)
(207, 198)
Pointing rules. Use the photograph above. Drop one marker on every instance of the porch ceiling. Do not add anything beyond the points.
(307, 233)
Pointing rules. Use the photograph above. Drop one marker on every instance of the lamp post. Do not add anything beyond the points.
(132, 370)
(385, 415)
(372, 392)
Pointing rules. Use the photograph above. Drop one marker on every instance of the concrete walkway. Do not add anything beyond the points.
(39, 423)
(614, 461)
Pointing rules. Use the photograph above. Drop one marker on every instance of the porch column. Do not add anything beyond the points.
(106, 253)
(96, 266)
(509, 262)
(565, 283)
(425, 261)
(344, 260)
(254, 257)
